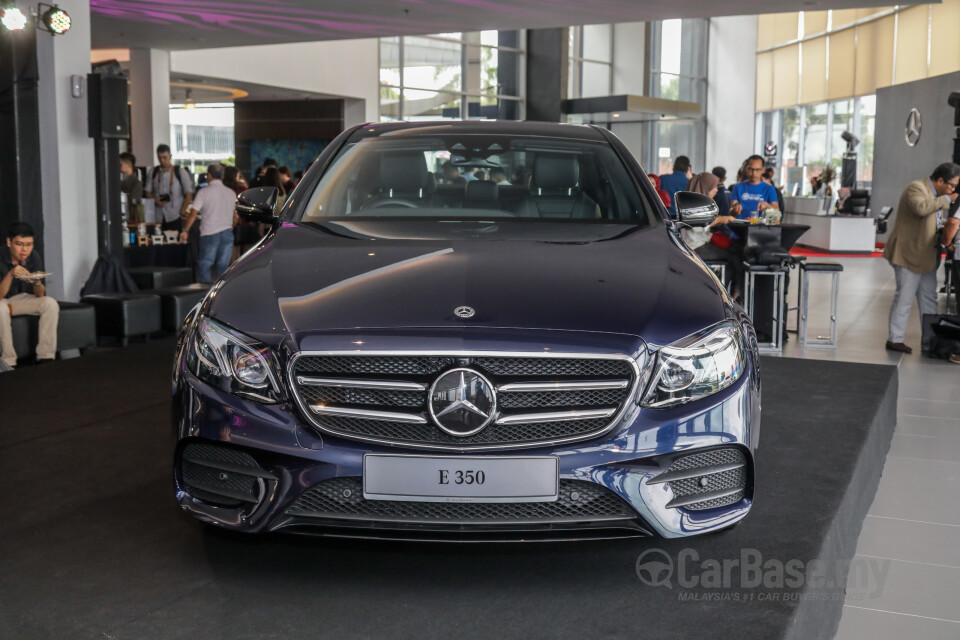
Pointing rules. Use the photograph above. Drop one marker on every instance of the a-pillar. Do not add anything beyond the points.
(149, 103)
(66, 155)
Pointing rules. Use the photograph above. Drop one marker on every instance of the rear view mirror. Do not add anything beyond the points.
(259, 204)
(696, 209)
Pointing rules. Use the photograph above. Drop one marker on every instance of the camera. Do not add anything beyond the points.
(164, 198)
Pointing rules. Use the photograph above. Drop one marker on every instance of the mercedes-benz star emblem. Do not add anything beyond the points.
(462, 402)
(914, 124)
(464, 312)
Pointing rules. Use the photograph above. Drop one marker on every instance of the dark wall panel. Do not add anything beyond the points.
(895, 163)
(319, 120)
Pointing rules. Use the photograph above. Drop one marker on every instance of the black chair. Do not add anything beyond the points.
(76, 329)
(159, 277)
(124, 315)
(856, 203)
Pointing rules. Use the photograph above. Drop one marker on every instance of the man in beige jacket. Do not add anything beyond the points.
(912, 247)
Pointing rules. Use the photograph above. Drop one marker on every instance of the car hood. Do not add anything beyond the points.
(361, 279)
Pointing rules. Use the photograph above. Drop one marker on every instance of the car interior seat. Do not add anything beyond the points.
(554, 190)
(404, 181)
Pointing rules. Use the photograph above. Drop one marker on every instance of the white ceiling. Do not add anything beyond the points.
(200, 24)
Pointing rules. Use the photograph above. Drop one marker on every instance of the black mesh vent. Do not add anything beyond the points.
(430, 434)
(379, 365)
(561, 399)
(725, 480)
(343, 396)
(214, 453)
(227, 487)
(578, 501)
(587, 368)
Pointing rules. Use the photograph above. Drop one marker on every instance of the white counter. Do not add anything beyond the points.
(836, 234)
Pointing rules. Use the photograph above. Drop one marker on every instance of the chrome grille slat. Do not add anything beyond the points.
(543, 398)
(706, 480)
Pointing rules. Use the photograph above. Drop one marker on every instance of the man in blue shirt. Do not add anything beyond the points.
(753, 196)
(679, 179)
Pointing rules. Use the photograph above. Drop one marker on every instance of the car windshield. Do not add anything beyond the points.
(474, 176)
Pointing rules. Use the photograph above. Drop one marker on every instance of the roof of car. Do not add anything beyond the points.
(497, 127)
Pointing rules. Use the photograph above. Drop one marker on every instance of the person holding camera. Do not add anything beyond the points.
(913, 248)
(171, 188)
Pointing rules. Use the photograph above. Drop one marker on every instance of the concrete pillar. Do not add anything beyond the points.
(547, 58)
(149, 103)
(731, 86)
(67, 174)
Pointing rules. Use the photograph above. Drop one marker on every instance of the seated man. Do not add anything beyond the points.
(25, 296)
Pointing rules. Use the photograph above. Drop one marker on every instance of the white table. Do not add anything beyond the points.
(836, 234)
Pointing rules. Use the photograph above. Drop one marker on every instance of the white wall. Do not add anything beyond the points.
(629, 57)
(66, 157)
(344, 68)
(731, 89)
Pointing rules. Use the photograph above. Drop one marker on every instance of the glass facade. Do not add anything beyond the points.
(678, 71)
(810, 136)
(590, 70)
(451, 76)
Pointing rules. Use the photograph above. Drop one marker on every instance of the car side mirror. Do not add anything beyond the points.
(258, 204)
(696, 209)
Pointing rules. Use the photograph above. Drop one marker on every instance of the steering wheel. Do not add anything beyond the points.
(393, 203)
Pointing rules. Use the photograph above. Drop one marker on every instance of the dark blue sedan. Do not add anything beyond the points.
(469, 331)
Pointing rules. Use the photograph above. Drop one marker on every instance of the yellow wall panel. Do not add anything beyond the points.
(813, 82)
(785, 26)
(843, 17)
(912, 44)
(840, 83)
(814, 22)
(786, 76)
(945, 47)
(764, 81)
(874, 64)
(866, 13)
(765, 31)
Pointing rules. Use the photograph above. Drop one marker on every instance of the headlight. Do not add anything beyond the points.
(696, 366)
(233, 362)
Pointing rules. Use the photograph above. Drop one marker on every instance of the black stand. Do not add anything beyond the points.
(110, 223)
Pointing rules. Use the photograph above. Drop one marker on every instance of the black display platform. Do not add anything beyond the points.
(93, 546)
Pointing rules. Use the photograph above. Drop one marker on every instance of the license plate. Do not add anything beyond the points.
(460, 479)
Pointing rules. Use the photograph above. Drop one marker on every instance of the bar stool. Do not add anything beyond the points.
(807, 269)
(779, 274)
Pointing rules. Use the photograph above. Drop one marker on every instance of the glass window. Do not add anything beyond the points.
(842, 121)
(868, 119)
(451, 75)
(790, 152)
(815, 139)
(590, 55)
(432, 64)
(430, 173)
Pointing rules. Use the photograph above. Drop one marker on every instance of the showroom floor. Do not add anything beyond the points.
(914, 522)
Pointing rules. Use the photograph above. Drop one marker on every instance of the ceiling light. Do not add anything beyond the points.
(55, 20)
(616, 115)
(13, 19)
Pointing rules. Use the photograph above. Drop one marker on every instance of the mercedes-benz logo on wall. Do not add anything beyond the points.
(462, 402)
(914, 124)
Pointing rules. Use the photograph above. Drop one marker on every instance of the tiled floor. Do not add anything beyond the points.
(913, 526)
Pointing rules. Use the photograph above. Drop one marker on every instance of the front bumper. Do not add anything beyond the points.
(274, 462)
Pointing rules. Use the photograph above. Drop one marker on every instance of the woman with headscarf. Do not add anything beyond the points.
(664, 196)
(700, 238)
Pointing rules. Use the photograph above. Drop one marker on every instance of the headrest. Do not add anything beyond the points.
(555, 172)
(403, 171)
(481, 191)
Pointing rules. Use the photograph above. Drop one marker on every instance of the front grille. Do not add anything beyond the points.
(358, 383)
(706, 480)
(579, 501)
